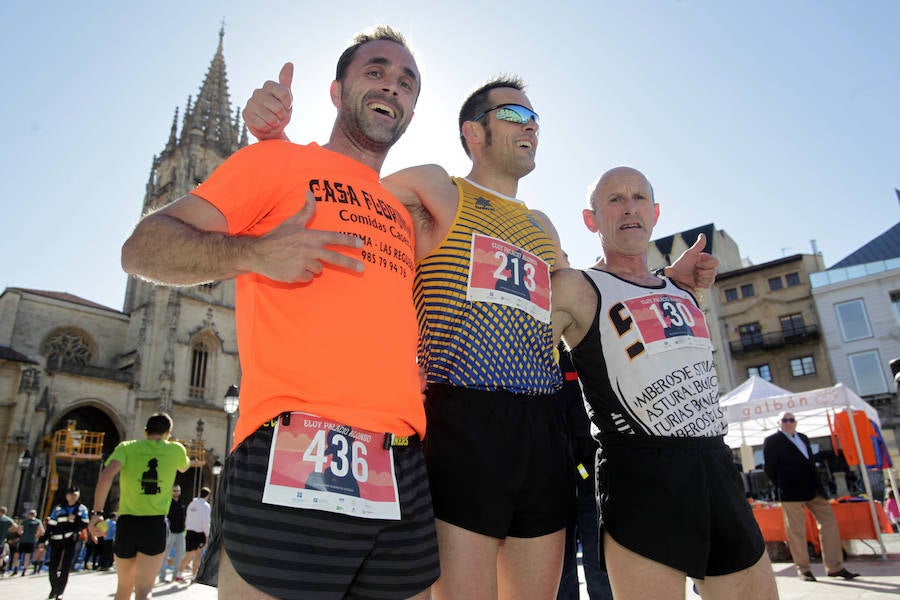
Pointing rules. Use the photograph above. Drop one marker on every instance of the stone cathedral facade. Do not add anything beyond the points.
(70, 363)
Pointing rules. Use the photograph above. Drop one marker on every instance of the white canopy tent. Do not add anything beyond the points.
(753, 415)
(753, 411)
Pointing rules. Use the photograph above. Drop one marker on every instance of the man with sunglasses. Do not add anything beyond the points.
(789, 464)
(496, 450)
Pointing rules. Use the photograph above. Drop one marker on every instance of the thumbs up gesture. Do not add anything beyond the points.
(694, 269)
(269, 109)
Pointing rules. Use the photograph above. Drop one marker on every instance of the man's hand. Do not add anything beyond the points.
(269, 109)
(291, 253)
(694, 269)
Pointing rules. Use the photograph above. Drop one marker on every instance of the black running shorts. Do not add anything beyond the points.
(194, 540)
(134, 534)
(499, 463)
(677, 501)
(298, 554)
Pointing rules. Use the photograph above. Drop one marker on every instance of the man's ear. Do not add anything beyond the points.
(589, 220)
(335, 92)
(472, 133)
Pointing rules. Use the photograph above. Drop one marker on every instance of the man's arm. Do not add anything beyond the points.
(186, 243)
(694, 269)
(562, 259)
(207, 519)
(770, 461)
(573, 305)
(104, 483)
(268, 111)
(85, 517)
(431, 198)
(186, 463)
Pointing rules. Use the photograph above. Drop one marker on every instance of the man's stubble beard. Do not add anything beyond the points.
(367, 134)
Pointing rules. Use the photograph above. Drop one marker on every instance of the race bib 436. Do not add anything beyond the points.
(321, 465)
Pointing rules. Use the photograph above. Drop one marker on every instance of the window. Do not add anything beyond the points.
(751, 334)
(868, 377)
(747, 290)
(895, 303)
(792, 325)
(853, 320)
(775, 284)
(805, 365)
(761, 371)
(199, 365)
(792, 279)
(731, 295)
(67, 348)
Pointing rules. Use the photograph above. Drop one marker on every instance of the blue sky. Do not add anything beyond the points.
(777, 121)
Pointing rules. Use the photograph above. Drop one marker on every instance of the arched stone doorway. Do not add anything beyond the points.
(84, 473)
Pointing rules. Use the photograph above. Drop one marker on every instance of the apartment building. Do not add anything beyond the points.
(767, 314)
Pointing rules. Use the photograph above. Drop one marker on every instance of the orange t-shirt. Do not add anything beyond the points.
(342, 346)
(866, 434)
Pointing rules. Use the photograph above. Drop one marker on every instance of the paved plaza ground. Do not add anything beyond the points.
(879, 580)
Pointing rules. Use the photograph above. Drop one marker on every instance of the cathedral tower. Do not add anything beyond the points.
(209, 135)
(67, 363)
(184, 340)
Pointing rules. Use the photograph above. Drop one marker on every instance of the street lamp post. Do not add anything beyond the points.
(232, 399)
(216, 471)
(24, 463)
(200, 457)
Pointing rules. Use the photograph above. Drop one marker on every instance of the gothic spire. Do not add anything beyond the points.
(210, 133)
(243, 141)
(173, 133)
(210, 120)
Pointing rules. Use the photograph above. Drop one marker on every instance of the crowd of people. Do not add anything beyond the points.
(430, 281)
(71, 539)
(24, 543)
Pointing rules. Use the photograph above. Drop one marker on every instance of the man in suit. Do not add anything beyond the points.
(789, 464)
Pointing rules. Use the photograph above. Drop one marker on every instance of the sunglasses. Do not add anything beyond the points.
(514, 113)
(789, 420)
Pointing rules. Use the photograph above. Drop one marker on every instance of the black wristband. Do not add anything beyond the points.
(96, 513)
(660, 272)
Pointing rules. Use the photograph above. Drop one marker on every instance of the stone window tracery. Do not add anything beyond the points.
(67, 348)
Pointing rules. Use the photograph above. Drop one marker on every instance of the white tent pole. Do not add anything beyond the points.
(747, 458)
(865, 475)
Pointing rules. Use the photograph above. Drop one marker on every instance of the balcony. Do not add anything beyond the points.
(762, 342)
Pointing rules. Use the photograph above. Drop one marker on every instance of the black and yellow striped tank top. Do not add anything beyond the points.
(483, 298)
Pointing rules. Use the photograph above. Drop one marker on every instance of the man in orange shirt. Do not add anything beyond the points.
(310, 233)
